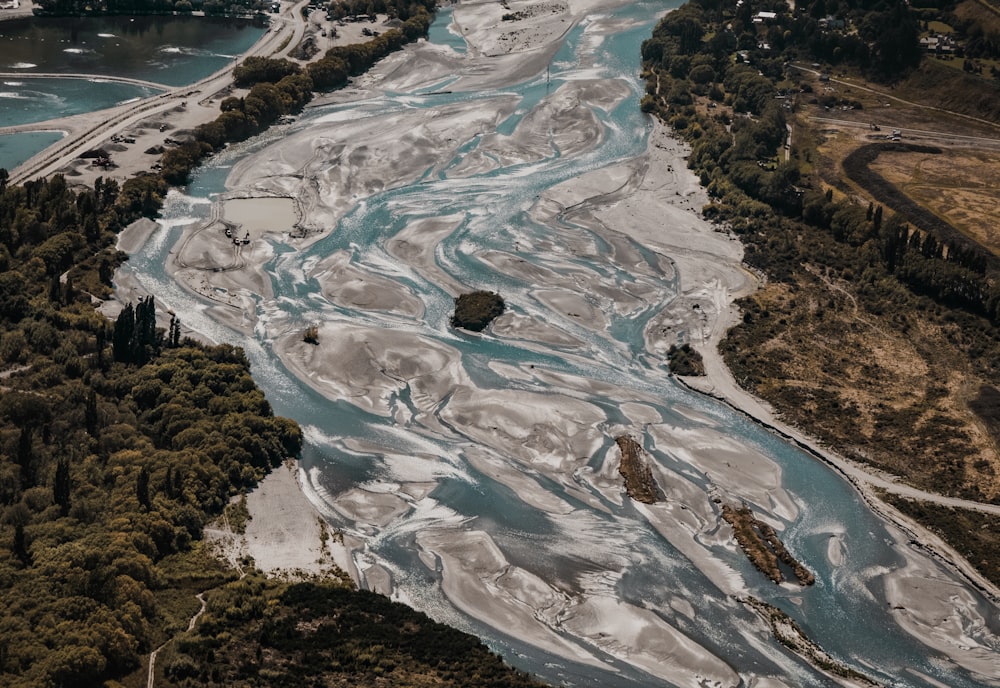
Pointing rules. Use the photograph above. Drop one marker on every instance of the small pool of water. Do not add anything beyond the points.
(258, 215)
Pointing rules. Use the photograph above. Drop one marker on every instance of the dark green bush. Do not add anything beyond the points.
(475, 310)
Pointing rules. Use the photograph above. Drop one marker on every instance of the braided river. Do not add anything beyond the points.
(474, 476)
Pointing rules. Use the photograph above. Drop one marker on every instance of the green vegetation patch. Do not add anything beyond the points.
(475, 310)
(684, 360)
(259, 632)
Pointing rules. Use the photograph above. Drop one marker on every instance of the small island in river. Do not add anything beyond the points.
(763, 547)
(475, 310)
(639, 482)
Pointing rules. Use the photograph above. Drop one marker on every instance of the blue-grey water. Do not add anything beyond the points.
(169, 50)
(600, 551)
(17, 148)
(27, 100)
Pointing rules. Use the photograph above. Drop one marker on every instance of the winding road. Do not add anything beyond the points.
(151, 675)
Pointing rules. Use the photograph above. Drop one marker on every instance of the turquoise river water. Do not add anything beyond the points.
(598, 552)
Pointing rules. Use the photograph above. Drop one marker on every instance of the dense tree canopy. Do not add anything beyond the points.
(116, 444)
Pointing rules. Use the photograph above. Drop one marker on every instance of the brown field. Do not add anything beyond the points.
(960, 186)
(885, 388)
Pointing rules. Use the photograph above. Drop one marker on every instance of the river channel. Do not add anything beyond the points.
(474, 475)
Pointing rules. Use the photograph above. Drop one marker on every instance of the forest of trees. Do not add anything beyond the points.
(281, 634)
(116, 442)
(882, 38)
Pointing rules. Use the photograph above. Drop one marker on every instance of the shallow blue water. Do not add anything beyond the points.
(16, 148)
(27, 100)
(845, 612)
(167, 50)
(443, 32)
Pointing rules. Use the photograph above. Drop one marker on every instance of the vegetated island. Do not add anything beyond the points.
(475, 310)
(639, 482)
(789, 634)
(763, 547)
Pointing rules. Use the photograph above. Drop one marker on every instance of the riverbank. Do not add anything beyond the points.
(284, 536)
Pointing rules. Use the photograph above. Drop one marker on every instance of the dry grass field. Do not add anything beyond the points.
(884, 388)
(961, 186)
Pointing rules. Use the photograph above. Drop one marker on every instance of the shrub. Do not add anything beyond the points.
(684, 360)
(475, 310)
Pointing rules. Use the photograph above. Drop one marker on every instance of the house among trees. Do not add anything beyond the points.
(940, 44)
